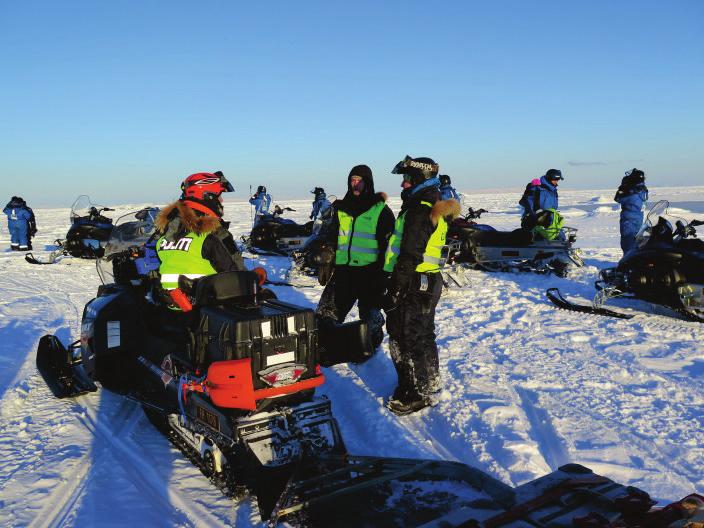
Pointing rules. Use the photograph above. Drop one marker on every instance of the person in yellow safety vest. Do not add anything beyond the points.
(194, 239)
(356, 239)
(415, 257)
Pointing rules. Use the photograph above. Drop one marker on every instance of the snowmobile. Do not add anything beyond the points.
(87, 236)
(665, 267)
(231, 382)
(483, 247)
(277, 235)
(310, 257)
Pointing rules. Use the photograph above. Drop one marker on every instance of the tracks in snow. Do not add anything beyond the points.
(109, 442)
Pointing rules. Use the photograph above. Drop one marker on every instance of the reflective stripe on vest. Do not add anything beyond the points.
(433, 260)
(182, 257)
(356, 240)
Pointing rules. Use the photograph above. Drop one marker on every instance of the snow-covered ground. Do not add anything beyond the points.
(527, 387)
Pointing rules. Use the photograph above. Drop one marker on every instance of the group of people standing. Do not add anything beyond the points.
(385, 264)
(392, 264)
(381, 262)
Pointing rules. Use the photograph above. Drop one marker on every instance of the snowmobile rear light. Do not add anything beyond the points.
(282, 375)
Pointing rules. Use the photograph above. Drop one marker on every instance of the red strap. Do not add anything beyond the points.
(200, 207)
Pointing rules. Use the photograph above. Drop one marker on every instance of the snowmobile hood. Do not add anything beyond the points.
(178, 218)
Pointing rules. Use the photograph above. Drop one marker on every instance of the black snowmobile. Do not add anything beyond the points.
(87, 236)
(483, 247)
(666, 267)
(277, 235)
(310, 257)
(231, 382)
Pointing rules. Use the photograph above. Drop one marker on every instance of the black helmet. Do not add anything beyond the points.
(261, 189)
(553, 174)
(445, 179)
(317, 191)
(419, 169)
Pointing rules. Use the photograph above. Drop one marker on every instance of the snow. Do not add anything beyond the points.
(527, 387)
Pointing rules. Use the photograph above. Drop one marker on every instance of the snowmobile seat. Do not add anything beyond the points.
(227, 287)
(516, 238)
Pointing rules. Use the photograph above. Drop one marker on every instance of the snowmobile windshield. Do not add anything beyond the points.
(646, 230)
(322, 220)
(131, 232)
(83, 207)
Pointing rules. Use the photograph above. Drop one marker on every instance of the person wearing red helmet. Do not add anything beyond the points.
(194, 239)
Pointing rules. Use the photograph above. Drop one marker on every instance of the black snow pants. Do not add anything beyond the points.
(411, 328)
(355, 284)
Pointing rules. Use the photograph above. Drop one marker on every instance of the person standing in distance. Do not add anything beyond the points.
(632, 195)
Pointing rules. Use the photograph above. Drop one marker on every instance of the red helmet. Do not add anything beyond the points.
(204, 186)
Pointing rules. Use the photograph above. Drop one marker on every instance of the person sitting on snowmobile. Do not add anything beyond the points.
(632, 195)
(415, 257)
(261, 201)
(447, 191)
(194, 239)
(21, 224)
(357, 236)
(541, 197)
(320, 203)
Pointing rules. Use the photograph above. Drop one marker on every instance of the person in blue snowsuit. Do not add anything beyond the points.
(447, 191)
(20, 223)
(320, 203)
(261, 202)
(538, 198)
(632, 195)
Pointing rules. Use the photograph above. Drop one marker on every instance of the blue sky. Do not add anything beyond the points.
(122, 100)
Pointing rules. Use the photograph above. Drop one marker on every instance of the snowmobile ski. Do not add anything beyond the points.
(63, 374)
(558, 300)
(54, 257)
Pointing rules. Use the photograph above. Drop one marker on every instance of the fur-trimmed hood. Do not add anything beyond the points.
(176, 219)
(449, 209)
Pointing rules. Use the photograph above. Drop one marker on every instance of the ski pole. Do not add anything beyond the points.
(251, 216)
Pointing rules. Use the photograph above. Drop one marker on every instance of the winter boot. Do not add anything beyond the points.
(406, 402)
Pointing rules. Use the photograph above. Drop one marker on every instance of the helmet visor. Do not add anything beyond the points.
(402, 166)
(226, 185)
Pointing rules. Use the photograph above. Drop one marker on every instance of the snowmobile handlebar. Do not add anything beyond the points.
(687, 230)
(472, 214)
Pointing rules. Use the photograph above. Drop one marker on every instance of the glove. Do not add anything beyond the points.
(324, 274)
(400, 286)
